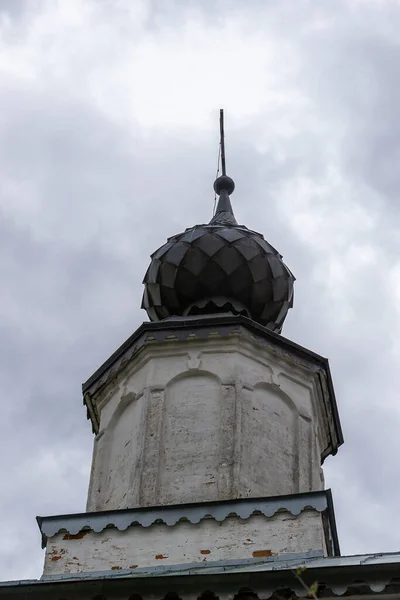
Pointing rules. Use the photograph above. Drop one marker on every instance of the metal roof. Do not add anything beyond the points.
(356, 576)
(208, 262)
(194, 513)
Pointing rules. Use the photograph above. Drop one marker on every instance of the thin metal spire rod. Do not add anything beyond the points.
(221, 128)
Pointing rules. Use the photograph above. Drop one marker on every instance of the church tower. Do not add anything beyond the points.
(211, 429)
(208, 402)
(210, 426)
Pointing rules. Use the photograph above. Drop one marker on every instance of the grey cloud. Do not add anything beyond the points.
(15, 7)
(86, 201)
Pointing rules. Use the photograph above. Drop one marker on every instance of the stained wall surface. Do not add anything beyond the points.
(185, 543)
(207, 420)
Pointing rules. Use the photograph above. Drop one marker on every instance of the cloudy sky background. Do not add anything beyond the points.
(108, 144)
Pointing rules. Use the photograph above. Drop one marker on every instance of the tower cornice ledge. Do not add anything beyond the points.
(173, 331)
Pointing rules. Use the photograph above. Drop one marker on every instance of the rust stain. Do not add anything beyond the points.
(75, 536)
(159, 556)
(260, 553)
(115, 568)
(54, 558)
(209, 483)
(205, 551)
(133, 566)
(57, 551)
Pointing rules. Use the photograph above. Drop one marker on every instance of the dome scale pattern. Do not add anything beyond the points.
(220, 267)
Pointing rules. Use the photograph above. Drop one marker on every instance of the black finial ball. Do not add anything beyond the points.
(224, 183)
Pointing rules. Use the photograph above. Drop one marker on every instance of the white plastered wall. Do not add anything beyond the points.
(203, 420)
(160, 545)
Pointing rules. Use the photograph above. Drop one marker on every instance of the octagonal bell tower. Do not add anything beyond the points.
(208, 402)
(204, 413)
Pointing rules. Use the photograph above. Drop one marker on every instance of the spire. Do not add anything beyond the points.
(223, 186)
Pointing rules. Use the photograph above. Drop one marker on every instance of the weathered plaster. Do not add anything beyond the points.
(185, 543)
(207, 419)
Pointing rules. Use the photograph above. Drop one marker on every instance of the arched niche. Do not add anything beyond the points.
(191, 438)
(120, 453)
(269, 442)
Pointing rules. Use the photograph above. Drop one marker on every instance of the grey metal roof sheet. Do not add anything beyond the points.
(356, 576)
(194, 513)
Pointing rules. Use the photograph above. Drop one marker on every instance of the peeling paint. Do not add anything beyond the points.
(261, 381)
(185, 543)
(261, 553)
(75, 536)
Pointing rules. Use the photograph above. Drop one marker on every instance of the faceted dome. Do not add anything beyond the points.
(219, 267)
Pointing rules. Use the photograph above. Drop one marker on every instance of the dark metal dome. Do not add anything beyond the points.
(219, 267)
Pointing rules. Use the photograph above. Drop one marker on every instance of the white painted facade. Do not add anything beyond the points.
(257, 537)
(207, 419)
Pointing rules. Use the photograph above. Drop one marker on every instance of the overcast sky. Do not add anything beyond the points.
(108, 145)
